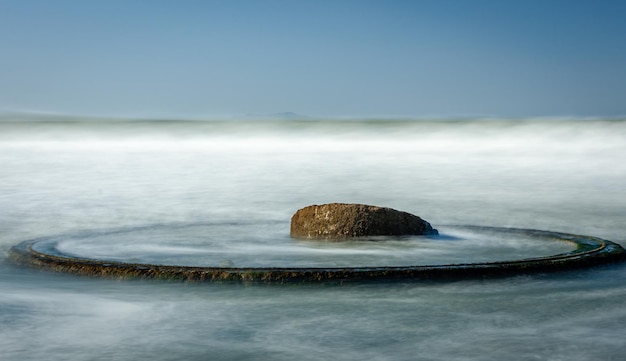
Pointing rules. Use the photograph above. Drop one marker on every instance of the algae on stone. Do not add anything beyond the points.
(344, 220)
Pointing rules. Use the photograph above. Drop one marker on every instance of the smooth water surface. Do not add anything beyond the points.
(263, 245)
(185, 191)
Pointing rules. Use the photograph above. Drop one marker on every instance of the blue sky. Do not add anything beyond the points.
(319, 58)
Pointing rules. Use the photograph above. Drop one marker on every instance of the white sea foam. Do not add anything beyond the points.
(94, 179)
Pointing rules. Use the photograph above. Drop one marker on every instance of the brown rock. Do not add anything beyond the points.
(341, 220)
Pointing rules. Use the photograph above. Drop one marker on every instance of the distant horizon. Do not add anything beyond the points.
(288, 115)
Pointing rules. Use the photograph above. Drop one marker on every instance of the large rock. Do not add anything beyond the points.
(341, 220)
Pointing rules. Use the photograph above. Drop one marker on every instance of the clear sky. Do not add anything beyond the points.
(207, 58)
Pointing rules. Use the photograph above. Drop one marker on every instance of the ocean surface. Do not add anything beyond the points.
(222, 193)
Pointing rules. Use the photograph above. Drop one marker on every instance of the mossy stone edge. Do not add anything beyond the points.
(590, 251)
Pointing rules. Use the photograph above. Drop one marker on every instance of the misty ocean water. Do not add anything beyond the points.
(205, 192)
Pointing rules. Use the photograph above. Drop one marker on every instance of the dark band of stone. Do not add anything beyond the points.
(591, 251)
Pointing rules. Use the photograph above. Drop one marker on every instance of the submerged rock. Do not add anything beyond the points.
(343, 220)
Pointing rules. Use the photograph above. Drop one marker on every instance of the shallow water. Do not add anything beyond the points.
(172, 189)
(264, 245)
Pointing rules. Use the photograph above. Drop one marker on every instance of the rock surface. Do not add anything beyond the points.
(342, 220)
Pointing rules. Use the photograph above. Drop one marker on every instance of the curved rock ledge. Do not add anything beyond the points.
(591, 251)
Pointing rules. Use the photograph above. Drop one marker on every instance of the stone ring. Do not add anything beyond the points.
(590, 251)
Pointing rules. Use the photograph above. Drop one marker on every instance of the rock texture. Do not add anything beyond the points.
(342, 220)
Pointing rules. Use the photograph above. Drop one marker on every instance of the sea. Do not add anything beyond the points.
(222, 192)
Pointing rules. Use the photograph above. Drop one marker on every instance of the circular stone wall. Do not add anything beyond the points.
(590, 251)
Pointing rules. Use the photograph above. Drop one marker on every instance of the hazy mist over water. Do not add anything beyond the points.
(182, 191)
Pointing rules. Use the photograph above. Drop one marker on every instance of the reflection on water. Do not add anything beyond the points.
(60, 179)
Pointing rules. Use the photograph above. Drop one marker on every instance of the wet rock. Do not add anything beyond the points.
(342, 220)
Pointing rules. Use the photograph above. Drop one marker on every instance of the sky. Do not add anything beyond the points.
(319, 58)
